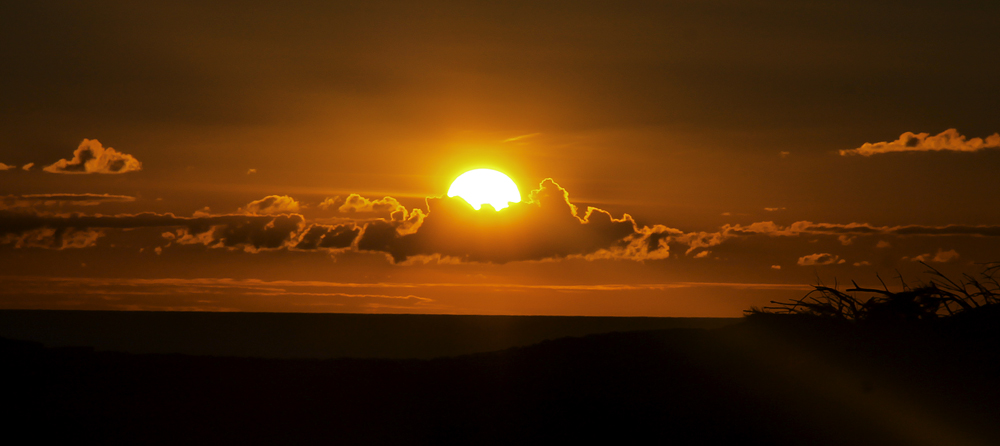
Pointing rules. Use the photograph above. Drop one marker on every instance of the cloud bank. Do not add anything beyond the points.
(92, 157)
(547, 225)
(949, 140)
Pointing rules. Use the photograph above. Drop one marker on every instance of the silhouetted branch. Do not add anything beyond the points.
(942, 296)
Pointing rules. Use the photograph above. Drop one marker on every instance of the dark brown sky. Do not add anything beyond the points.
(693, 118)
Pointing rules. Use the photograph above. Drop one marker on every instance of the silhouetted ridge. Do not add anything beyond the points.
(790, 380)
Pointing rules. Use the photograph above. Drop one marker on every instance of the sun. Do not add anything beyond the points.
(485, 186)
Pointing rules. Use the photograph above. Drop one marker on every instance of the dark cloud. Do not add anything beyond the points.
(249, 232)
(92, 157)
(546, 225)
(327, 236)
(976, 231)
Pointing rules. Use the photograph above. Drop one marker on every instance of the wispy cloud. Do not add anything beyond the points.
(521, 137)
(280, 287)
(820, 259)
(35, 200)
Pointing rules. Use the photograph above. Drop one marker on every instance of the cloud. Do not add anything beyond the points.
(775, 266)
(92, 157)
(784, 154)
(273, 204)
(251, 171)
(7, 166)
(49, 200)
(546, 225)
(48, 238)
(862, 263)
(647, 243)
(949, 140)
(330, 203)
(882, 244)
(774, 209)
(798, 228)
(820, 259)
(357, 203)
(27, 166)
(251, 233)
(521, 137)
(941, 256)
(326, 236)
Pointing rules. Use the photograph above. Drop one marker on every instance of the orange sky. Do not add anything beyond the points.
(734, 152)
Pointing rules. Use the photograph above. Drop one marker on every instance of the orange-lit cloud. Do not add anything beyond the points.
(33, 200)
(272, 205)
(357, 203)
(330, 203)
(92, 157)
(7, 166)
(949, 140)
(646, 243)
(941, 256)
(820, 259)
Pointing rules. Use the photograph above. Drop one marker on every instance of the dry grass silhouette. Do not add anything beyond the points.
(941, 296)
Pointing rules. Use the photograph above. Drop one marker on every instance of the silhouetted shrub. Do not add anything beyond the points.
(940, 296)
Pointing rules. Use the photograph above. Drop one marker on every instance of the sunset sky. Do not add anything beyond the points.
(295, 156)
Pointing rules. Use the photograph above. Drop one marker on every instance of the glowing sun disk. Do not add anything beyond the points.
(485, 186)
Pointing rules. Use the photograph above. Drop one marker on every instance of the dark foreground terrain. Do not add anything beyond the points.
(313, 335)
(767, 380)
